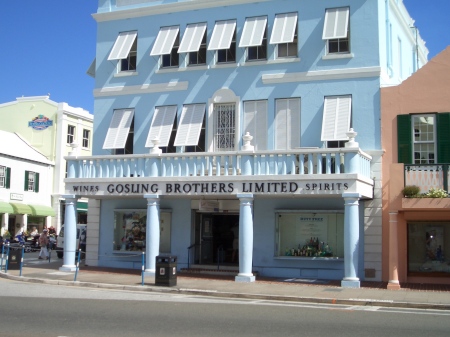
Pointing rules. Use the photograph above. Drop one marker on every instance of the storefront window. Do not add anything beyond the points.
(426, 247)
(310, 235)
(130, 230)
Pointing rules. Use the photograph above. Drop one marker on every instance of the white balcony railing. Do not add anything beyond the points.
(292, 162)
(428, 176)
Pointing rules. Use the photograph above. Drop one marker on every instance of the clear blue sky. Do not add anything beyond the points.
(47, 46)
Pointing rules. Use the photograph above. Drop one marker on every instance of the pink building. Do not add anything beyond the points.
(416, 139)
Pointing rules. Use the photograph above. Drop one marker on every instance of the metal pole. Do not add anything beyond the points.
(3, 252)
(78, 265)
(49, 255)
(21, 260)
(7, 258)
(143, 266)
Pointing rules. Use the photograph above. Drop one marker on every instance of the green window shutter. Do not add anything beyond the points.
(443, 137)
(8, 177)
(36, 182)
(404, 141)
(25, 188)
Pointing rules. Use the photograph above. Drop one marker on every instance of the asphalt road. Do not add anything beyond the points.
(45, 310)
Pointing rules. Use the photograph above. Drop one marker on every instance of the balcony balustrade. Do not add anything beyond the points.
(306, 161)
(427, 176)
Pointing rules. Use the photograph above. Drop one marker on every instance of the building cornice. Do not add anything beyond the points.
(167, 9)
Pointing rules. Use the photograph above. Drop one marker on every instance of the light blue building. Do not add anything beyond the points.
(261, 114)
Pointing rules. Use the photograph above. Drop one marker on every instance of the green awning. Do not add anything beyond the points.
(20, 208)
(5, 207)
(41, 210)
(82, 206)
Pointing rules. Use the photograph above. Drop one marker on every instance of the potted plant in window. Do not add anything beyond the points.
(411, 191)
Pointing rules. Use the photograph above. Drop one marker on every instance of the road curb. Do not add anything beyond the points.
(215, 293)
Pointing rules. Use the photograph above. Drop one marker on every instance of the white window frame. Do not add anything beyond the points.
(125, 51)
(223, 40)
(223, 95)
(31, 181)
(86, 138)
(285, 34)
(253, 32)
(190, 127)
(119, 128)
(2, 176)
(419, 145)
(287, 123)
(198, 57)
(70, 133)
(337, 111)
(192, 38)
(254, 38)
(161, 126)
(255, 123)
(165, 40)
(336, 30)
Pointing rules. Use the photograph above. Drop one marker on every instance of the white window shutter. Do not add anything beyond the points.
(165, 41)
(283, 30)
(191, 121)
(294, 122)
(253, 32)
(336, 23)
(287, 124)
(161, 126)
(192, 38)
(336, 118)
(255, 122)
(122, 46)
(222, 35)
(118, 130)
(281, 124)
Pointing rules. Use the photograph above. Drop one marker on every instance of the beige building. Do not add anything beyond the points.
(416, 139)
(40, 134)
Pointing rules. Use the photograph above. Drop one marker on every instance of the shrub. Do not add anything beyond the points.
(411, 191)
(436, 193)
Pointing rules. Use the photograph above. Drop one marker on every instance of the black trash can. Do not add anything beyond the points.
(166, 271)
(14, 258)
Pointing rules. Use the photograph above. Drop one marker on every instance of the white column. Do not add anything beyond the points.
(70, 233)
(48, 222)
(24, 222)
(5, 221)
(351, 240)
(245, 239)
(152, 234)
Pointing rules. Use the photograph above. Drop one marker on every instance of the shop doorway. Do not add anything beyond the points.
(216, 238)
(12, 226)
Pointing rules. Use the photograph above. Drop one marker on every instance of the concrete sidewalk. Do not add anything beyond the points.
(295, 290)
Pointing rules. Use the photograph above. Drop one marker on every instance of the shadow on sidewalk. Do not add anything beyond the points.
(290, 281)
